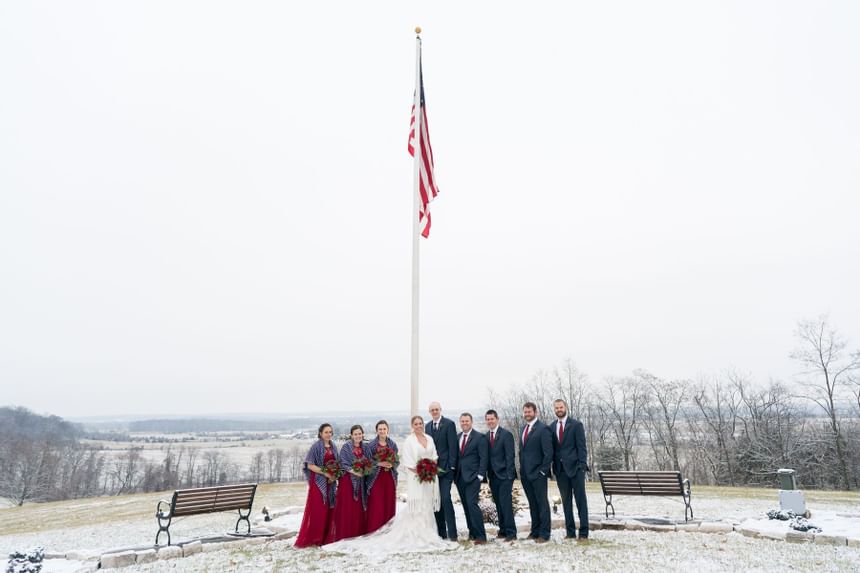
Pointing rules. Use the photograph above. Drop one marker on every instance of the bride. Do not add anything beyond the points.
(413, 529)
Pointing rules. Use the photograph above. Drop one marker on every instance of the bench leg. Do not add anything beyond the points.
(688, 496)
(163, 527)
(608, 500)
(245, 519)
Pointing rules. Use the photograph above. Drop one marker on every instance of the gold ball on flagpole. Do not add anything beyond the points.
(417, 29)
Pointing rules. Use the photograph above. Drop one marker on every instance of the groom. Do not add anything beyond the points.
(471, 470)
(444, 435)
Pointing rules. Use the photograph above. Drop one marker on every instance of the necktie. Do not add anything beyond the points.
(492, 438)
(560, 431)
(463, 444)
(435, 427)
(526, 434)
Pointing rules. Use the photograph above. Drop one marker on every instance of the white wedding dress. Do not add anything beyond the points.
(413, 529)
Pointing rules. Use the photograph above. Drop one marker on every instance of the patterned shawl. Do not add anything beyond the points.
(373, 446)
(316, 456)
(347, 457)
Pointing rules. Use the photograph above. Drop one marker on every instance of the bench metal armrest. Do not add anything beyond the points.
(685, 486)
(159, 512)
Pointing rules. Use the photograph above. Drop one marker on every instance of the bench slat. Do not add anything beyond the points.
(213, 494)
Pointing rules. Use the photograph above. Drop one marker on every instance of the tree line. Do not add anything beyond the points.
(43, 459)
(723, 430)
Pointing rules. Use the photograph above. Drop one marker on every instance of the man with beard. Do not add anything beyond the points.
(569, 464)
(535, 464)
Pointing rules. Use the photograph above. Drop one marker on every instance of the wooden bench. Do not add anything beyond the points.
(198, 501)
(645, 483)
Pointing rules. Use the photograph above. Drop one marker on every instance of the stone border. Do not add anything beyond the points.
(724, 527)
(115, 560)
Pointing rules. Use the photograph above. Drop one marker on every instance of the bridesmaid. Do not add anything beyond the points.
(349, 513)
(382, 483)
(319, 509)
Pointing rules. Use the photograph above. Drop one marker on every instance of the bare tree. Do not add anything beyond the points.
(717, 405)
(191, 454)
(663, 409)
(623, 402)
(127, 471)
(295, 463)
(570, 383)
(257, 465)
(827, 368)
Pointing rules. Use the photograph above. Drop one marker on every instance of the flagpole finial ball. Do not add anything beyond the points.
(417, 29)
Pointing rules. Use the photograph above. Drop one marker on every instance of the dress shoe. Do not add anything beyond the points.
(500, 536)
(480, 542)
(512, 538)
(570, 536)
(541, 540)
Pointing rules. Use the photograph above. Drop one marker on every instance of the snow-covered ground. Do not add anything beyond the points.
(608, 551)
(102, 524)
(830, 522)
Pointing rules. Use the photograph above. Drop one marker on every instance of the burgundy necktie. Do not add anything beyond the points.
(492, 438)
(560, 431)
(463, 444)
(526, 434)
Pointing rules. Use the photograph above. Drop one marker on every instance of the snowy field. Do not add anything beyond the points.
(98, 525)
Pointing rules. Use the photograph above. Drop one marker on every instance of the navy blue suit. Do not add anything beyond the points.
(471, 470)
(535, 464)
(502, 472)
(569, 464)
(445, 438)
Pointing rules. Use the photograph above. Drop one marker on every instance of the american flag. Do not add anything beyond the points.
(427, 180)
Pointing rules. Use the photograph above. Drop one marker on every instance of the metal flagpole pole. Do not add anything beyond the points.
(416, 205)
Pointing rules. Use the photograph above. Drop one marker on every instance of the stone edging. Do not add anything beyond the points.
(726, 527)
(127, 558)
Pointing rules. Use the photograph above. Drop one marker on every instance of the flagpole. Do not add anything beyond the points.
(416, 206)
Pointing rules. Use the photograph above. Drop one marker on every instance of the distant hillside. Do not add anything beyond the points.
(190, 425)
(21, 423)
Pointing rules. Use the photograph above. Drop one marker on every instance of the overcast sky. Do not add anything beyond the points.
(205, 206)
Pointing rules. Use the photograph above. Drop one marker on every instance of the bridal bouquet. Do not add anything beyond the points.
(332, 469)
(426, 470)
(386, 454)
(362, 466)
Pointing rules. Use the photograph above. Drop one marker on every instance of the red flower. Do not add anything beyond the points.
(426, 470)
(362, 466)
(332, 469)
(386, 454)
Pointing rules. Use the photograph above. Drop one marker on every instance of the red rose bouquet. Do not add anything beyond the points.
(386, 454)
(362, 466)
(426, 470)
(332, 469)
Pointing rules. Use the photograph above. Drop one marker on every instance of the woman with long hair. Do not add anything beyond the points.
(382, 483)
(350, 519)
(322, 487)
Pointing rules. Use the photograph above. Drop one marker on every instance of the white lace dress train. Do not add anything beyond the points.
(413, 529)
